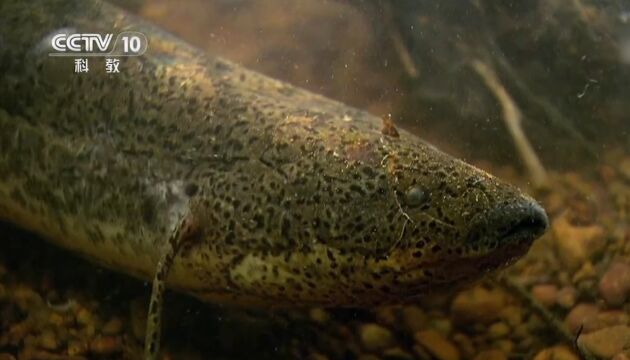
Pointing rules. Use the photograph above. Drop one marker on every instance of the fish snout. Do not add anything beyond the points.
(516, 223)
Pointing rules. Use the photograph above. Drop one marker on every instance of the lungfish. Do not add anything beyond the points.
(228, 185)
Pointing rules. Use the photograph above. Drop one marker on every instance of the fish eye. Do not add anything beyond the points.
(415, 196)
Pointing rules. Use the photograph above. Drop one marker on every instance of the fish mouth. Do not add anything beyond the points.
(511, 225)
(505, 234)
(497, 240)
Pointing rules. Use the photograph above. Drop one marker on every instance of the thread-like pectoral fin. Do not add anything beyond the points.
(180, 234)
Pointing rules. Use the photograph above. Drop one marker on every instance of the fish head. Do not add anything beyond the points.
(456, 222)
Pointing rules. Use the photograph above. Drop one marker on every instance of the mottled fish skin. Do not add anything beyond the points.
(298, 200)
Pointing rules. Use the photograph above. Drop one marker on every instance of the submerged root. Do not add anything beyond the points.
(550, 319)
(404, 56)
(512, 117)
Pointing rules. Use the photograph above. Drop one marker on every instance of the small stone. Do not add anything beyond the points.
(387, 315)
(437, 345)
(498, 330)
(317, 356)
(77, 348)
(478, 305)
(84, 316)
(444, 326)
(505, 345)
(48, 340)
(368, 357)
(605, 319)
(113, 327)
(545, 294)
(621, 356)
(56, 319)
(375, 337)
(138, 318)
(25, 298)
(106, 345)
(414, 318)
(396, 353)
(491, 355)
(624, 168)
(586, 272)
(319, 315)
(512, 315)
(614, 286)
(607, 342)
(576, 244)
(566, 297)
(560, 352)
(579, 315)
(521, 331)
(465, 344)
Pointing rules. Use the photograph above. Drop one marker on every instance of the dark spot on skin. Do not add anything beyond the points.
(191, 189)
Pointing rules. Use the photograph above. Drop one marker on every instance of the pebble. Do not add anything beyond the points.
(512, 315)
(605, 319)
(560, 352)
(396, 354)
(84, 316)
(505, 345)
(106, 345)
(579, 315)
(48, 340)
(465, 344)
(414, 319)
(545, 294)
(375, 337)
(498, 330)
(318, 356)
(319, 315)
(614, 286)
(26, 298)
(77, 348)
(624, 168)
(576, 244)
(113, 327)
(621, 356)
(437, 345)
(367, 357)
(521, 331)
(491, 355)
(387, 315)
(138, 317)
(566, 297)
(444, 326)
(56, 319)
(586, 272)
(478, 305)
(606, 342)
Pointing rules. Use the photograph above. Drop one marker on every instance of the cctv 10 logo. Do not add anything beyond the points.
(127, 43)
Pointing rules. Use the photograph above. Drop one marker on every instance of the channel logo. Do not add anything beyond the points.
(127, 43)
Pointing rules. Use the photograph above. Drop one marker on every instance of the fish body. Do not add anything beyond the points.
(296, 199)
